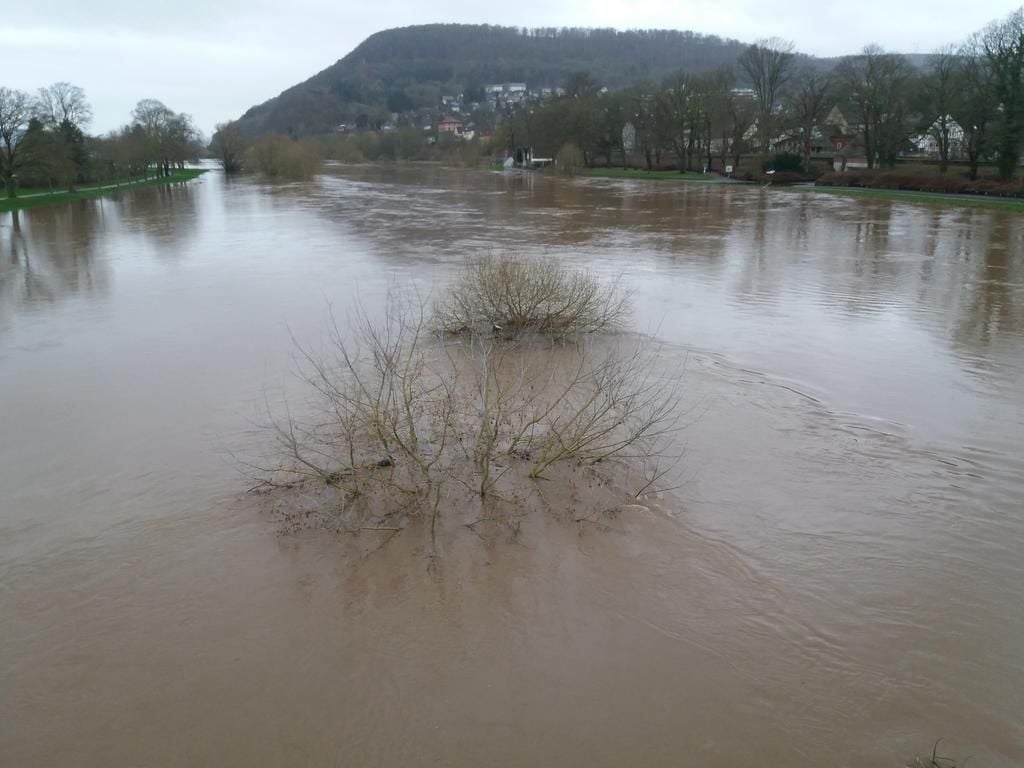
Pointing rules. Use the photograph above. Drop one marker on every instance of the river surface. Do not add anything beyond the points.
(838, 579)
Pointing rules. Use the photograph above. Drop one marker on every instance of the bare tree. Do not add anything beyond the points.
(153, 117)
(677, 105)
(15, 112)
(63, 102)
(181, 141)
(768, 64)
(169, 136)
(809, 102)
(706, 87)
(229, 144)
(718, 116)
(1003, 45)
(742, 113)
(642, 106)
(877, 84)
(976, 104)
(688, 104)
(939, 87)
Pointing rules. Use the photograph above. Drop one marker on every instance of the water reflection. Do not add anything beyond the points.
(166, 216)
(63, 251)
(883, 309)
(993, 313)
(779, 251)
(802, 266)
(52, 255)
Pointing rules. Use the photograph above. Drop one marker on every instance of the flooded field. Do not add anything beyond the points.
(836, 580)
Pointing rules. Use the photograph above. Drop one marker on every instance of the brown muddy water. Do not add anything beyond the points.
(838, 580)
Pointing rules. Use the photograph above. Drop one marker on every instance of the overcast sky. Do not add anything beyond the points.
(215, 58)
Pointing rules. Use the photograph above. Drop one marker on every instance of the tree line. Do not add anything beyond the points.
(44, 144)
(969, 98)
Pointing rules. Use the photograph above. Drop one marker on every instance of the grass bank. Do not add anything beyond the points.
(632, 173)
(927, 198)
(639, 173)
(34, 200)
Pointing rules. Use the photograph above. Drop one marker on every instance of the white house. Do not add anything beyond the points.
(629, 137)
(928, 142)
(505, 89)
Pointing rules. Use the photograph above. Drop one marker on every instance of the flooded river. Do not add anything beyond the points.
(838, 580)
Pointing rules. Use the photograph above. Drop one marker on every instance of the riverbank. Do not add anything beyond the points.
(639, 173)
(869, 193)
(35, 200)
(906, 196)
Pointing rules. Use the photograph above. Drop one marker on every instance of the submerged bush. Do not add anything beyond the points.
(935, 760)
(569, 160)
(348, 151)
(516, 296)
(280, 157)
(462, 153)
(407, 421)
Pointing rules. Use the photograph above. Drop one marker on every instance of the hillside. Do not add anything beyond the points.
(410, 68)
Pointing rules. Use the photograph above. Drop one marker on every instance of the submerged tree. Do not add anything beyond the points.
(229, 144)
(280, 157)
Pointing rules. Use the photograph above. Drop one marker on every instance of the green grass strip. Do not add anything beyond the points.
(29, 200)
(907, 196)
(639, 173)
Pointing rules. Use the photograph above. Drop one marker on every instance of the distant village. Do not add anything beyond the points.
(455, 116)
(838, 135)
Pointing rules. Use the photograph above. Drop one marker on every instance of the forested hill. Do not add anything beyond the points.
(411, 68)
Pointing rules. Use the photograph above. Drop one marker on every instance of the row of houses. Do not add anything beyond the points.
(840, 134)
(497, 96)
(512, 94)
(453, 126)
(456, 112)
(455, 115)
(838, 137)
